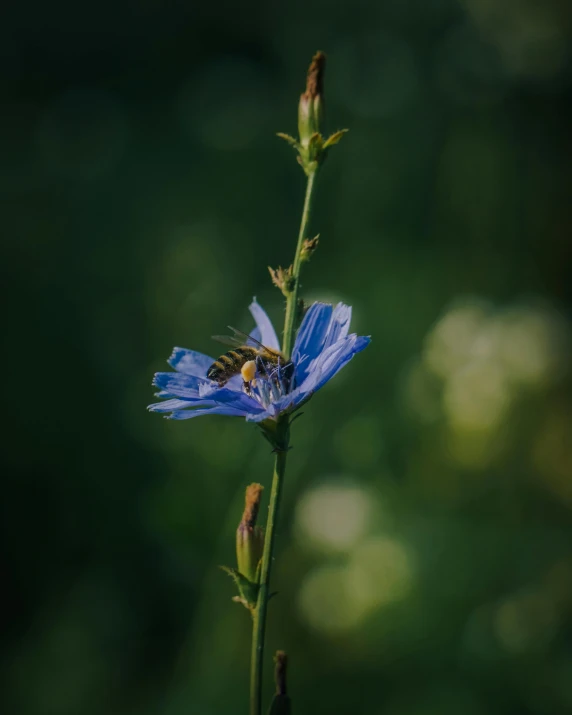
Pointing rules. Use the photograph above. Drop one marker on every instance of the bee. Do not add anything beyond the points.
(246, 360)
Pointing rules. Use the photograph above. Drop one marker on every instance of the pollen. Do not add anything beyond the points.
(248, 371)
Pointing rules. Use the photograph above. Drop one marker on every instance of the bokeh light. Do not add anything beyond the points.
(525, 621)
(325, 603)
(336, 598)
(479, 363)
(380, 572)
(452, 343)
(333, 518)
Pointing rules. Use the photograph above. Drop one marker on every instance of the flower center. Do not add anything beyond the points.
(267, 382)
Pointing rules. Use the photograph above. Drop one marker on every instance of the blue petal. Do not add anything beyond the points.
(175, 404)
(218, 410)
(332, 360)
(269, 413)
(237, 400)
(339, 325)
(265, 333)
(230, 397)
(312, 332)
(254, 337)
(322, 327)
(191, 391)
(163, 393)
(324, 368)
(210, 389)
(190, 362)
(235, 383)
(178, 385)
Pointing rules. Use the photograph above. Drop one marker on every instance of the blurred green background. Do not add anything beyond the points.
(424, 559)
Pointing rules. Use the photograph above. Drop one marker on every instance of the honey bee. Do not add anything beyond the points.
(246, 360)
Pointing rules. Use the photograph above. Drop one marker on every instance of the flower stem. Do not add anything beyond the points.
(282, 441)
(292, 299)
(259, 615)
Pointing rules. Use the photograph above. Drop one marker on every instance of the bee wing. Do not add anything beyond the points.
(249, 340)
(228, 340)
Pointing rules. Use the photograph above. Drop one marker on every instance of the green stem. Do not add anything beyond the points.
(282, 441)
(292, 299)
(259, 615)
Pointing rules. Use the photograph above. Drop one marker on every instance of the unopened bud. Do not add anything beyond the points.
(311, 106)
(249, 537)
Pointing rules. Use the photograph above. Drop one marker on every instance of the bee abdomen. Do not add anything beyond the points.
(246, 353)
(230, 364)
(215, 369)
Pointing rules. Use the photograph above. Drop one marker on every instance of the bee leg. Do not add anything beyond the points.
(280, 378)
(261, 366)
(247, 387)
(276, 374)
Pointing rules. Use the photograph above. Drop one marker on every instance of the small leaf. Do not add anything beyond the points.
(289, 139)
(248, 591)
(334, 138)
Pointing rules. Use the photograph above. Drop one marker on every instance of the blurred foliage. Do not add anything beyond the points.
(424, 555)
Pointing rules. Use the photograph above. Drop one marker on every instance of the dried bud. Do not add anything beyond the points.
(311, 106)
(282, 279)
(249, 537)
(308, 248)
(281, 702)
(281, 660)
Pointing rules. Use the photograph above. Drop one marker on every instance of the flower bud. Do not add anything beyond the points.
(311, 106)
(249, 537)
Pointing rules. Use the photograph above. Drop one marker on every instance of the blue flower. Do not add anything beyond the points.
(323, 346)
